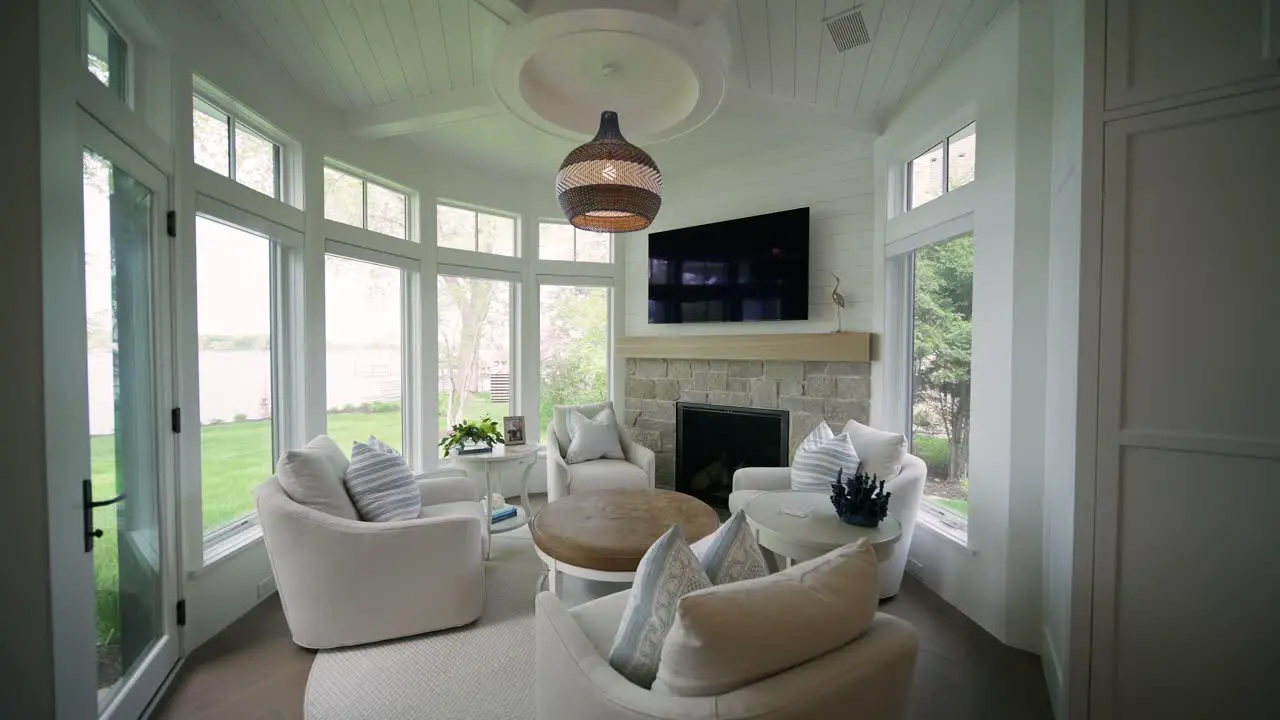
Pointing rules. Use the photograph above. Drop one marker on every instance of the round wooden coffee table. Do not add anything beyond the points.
(602, 534)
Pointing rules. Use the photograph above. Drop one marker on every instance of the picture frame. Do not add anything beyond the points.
(513, 430)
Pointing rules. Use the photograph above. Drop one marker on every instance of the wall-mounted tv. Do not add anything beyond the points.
(745, 270)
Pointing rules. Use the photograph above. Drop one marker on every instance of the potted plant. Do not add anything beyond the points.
(471, 436)
(860, 499)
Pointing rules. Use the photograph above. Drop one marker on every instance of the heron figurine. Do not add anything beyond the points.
(837, 298)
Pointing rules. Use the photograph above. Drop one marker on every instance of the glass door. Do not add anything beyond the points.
(128, 501)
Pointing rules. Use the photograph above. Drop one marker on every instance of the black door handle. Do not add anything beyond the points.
(90, 532)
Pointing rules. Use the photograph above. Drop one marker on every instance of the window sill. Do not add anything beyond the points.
(228, 545)
(938, 521)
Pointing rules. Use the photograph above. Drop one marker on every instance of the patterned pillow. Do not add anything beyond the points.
(731, 553)
(668, 571)
(593, 438)
(819, 457)
(381, 485)
(377, 444)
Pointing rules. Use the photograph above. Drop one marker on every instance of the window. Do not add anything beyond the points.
(941, 348)
(234, 290)
(352, 200)
(476, 231)
(573, 346)
(942, 168)
(364, 345)
(106, 53)
(227, 146)
(559, 241)
(475, 334)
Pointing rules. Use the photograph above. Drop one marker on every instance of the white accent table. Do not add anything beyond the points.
(474, 463)
(804, 538)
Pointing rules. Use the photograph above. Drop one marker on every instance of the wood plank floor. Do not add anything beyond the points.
(253, 671)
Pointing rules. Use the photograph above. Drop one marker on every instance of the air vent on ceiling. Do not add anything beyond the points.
(848, 30)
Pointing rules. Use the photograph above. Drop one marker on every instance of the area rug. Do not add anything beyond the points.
(484, 671)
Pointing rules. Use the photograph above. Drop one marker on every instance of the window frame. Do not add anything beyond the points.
(613, 255)
(945, 144)
(285, 185)
(611, 305)
(413, 447)
(367, 179)
(125, 92)
(517, 249)
(286, 417)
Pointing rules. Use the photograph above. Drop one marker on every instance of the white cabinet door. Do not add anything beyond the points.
(1164, 48)
(1188, 438)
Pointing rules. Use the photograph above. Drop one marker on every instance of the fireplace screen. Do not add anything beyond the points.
(713, 441)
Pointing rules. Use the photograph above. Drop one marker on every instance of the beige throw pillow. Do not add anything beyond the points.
(312, 476)
(730, 636)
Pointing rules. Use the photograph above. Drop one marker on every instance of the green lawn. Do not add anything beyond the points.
(235, 458)
(959, 507)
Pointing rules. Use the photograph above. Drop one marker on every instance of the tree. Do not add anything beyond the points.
(574, 346)
(943, 343)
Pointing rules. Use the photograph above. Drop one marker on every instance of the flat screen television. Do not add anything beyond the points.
(745, 270)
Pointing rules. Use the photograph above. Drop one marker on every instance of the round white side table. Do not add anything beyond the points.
(473, 464)
(816, 534)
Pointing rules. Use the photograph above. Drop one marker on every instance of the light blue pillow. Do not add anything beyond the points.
(731, 553)
(668, 571)
(381, 486)
(819, 457)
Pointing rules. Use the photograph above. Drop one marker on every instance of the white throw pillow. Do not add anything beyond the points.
(381, 485)
(312, 476)
(729, 636)
(818, 459)
(882, 452)
(668, 571)
(731, 553)
(594, 438)
(560, 421)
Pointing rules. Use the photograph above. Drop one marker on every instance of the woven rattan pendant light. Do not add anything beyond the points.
(609, 185)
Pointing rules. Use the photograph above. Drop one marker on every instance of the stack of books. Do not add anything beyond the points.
(505, 512)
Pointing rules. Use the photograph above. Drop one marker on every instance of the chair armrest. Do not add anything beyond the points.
(446, 486)
(762, 478)
(639, 455)
(575, 681)
(557, 469)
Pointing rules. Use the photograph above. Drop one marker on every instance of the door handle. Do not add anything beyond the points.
(90, 532)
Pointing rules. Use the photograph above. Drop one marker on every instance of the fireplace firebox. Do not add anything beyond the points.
(713, 441)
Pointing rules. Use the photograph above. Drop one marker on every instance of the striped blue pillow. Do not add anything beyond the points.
(381, 486)
(818, 459)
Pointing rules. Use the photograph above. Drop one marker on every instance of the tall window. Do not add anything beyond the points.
(364, 330)
(476, 364)
(234, 289)
(560, 241)
(941, 340)
(106, 53)
(229, 147)
(463, 229)
(942, 168)
(573, 346)
(352, 200)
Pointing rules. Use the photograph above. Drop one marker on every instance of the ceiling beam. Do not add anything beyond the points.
(692, 13)
(410, 116)
(511, 13)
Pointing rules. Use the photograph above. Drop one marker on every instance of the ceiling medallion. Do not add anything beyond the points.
(609, 185)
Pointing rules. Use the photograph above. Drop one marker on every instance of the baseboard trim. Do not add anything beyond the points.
(1051, 663)
(163, 691)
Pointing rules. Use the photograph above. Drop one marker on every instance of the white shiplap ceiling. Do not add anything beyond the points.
(404, 59)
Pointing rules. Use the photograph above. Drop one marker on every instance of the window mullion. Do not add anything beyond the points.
(946, 162)
(231, 147)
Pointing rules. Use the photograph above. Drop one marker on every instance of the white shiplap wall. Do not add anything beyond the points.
(833, 181)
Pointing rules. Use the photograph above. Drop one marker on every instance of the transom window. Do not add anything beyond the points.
(353, 200)
(942, 168)
(464, 229)
(106, 53)
(226, 145)
(560, 241)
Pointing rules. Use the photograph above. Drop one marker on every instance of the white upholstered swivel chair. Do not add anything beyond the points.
(348, 582)
(636, 471)
(904, 504)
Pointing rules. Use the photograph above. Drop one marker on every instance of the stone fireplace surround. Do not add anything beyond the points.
(811, 391)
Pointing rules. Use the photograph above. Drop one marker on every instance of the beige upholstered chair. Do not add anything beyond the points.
(636, 471)
(867, 679)
(347, 582)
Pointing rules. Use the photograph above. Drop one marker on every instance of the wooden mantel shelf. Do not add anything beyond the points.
(831, 347)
